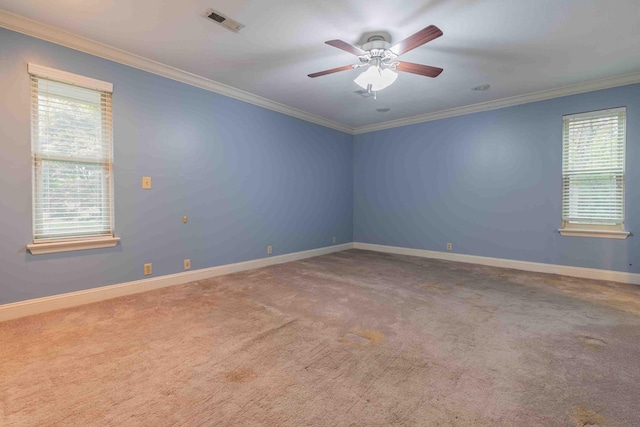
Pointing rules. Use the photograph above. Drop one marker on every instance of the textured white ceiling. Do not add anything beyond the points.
(517, 46)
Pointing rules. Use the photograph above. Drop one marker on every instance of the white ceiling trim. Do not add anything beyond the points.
(55, 35)
(607, 83)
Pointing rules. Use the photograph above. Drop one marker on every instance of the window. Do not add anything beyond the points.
(71, 144)
(593, 174)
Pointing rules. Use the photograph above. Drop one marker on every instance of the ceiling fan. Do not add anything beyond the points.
(381, 56)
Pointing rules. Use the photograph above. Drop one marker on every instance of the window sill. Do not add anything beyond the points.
(72, 245)
(603, 234)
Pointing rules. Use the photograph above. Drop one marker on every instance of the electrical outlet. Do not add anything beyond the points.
(147, 269)
(269, 250)
(187, 264)
(184, 219)
(449, 246)
(334, 240)
(146, 182)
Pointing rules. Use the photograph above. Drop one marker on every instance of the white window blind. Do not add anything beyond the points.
(71, 133)
(593, 169)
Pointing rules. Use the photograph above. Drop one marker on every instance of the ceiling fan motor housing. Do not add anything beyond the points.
(376, 43)
(378, 52)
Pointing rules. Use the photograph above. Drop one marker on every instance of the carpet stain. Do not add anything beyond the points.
(366, 337)
(435, 287)
(593, 342)
(584, 417)
(240, 375)
(372, 335)
(357, 339)
(605, 293)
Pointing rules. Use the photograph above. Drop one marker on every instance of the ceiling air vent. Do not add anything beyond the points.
(219, 18)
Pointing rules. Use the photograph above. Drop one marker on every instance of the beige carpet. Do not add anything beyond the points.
(350, 339)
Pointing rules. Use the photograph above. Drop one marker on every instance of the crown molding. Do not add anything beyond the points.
(64, 38)
(591, 86)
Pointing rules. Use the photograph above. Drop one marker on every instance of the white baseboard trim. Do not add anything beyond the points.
(56, 302)
(538, 267)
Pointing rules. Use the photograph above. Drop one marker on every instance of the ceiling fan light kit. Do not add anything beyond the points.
(380, 57)
(376, 78)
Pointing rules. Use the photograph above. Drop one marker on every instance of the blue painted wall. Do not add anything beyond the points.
(490, 184)
(245, 176)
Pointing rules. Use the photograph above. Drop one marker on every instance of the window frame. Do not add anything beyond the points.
(73, 242)
(574, 229)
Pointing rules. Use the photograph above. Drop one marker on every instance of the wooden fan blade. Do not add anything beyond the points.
(423, 70)
(331, 71)
(346, 47)
(418, 39)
